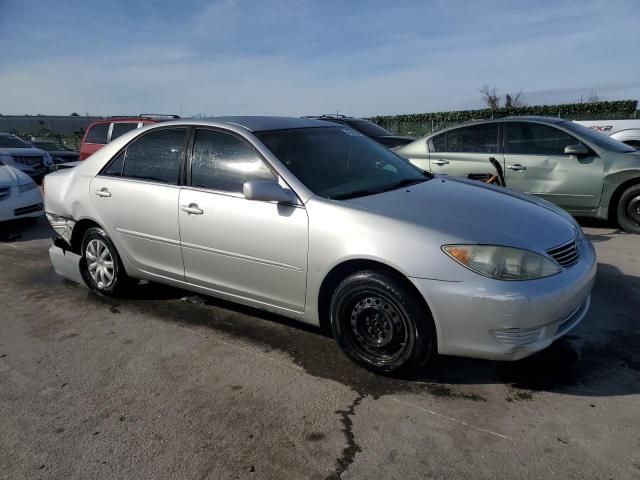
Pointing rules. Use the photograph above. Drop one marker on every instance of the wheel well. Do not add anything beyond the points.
(343, 270)
(615, 198)
(78, 232)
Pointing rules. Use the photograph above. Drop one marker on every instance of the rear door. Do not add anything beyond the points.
(136, 196)
(242, 248)
(535, 163)
(465, 152)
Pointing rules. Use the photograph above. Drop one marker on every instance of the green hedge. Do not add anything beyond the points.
(428, 122)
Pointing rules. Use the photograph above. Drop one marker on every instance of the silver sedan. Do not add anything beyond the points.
(317, 222)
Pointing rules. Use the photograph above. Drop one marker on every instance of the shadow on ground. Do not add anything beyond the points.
(601, 357)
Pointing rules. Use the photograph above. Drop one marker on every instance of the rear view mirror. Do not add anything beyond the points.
(268, 191)
(578, 150)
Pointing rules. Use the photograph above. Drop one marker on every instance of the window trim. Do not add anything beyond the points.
(181, 180)
(499, 138)
(507, 150)
(189, 155)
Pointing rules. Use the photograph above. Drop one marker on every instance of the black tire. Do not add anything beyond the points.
(118, 280)
(628, 212)
(379, 322)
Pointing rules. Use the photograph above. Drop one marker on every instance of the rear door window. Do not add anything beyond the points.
(98, 133)
(537, 139)
(472, 139)
(156, 156)
(122, 128)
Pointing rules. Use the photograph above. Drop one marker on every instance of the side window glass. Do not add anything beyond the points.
(115, 167)
(439, 143)
(98, 133)
(223, 162)
(474, 139)
(122, 128)
(536, 139)
(156, 156)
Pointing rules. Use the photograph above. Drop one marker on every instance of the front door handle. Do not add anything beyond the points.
(441, 162)
(192, 209)
(517, 167)
(103, 192)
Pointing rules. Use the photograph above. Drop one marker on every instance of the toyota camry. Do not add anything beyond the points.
(317, 222)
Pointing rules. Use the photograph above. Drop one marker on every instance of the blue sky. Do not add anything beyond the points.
(310, 56)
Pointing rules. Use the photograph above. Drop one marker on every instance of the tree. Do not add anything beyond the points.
(593, 97)
(490, 97)
(513, 101)
(493, 100)
(74, 114)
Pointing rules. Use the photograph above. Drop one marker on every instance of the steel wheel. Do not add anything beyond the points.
(629, 209)
(100, 263)
(381, 323)
(378, 326)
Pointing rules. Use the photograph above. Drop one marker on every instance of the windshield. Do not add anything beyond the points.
(9, 141)
(600, 139)
(340, 163)
(368, 128)
(48, 146)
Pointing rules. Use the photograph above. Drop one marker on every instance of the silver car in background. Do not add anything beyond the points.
(317, 222)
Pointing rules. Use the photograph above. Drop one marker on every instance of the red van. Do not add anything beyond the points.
(103, 131)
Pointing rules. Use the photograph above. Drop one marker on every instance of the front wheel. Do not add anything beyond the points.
(628, 214)
(379, 322)
(101, 266)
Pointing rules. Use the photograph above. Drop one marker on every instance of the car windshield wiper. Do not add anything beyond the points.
(405, 183)
(372, 191)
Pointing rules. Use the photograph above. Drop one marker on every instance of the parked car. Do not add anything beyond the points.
(19, 195)
(100, 133)
(626, 131)
(583, 171)
(21, 155)
(320, 223)
(369, 129)
(59, 153)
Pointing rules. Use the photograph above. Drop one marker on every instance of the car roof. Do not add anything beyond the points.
(523, 118)
(265, 123)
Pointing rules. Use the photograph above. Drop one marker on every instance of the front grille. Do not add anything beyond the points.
(33, 161)
(566, 254)
(5, 192)
(29, 209)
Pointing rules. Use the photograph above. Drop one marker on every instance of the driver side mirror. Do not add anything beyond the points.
(578, 150)
(268, 191)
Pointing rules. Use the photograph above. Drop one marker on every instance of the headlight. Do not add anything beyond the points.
(502, 263)
(26, 187)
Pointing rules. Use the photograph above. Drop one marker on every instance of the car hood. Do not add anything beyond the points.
(10, 176)
(470, 212)
(22, 152)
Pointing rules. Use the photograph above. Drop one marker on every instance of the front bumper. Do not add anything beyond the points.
(501, 320)
(21, 205)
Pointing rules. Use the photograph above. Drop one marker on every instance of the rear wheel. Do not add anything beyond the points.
(628, 213)
(379, 323)
(101, 266)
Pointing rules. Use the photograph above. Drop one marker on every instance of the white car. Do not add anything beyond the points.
(625, 131)
(20, 197)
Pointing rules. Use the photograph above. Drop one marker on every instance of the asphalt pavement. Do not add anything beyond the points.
(165, 384)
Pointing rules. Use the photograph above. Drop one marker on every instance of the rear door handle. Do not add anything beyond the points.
(192, 209)
(517, 167)
(441, 162)
(103, 192)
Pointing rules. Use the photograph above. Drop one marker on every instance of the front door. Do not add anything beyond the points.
(136, 197)
(535, 163)
(465, 152)
(242, 248)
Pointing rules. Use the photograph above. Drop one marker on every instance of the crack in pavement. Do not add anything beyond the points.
(349, 452)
